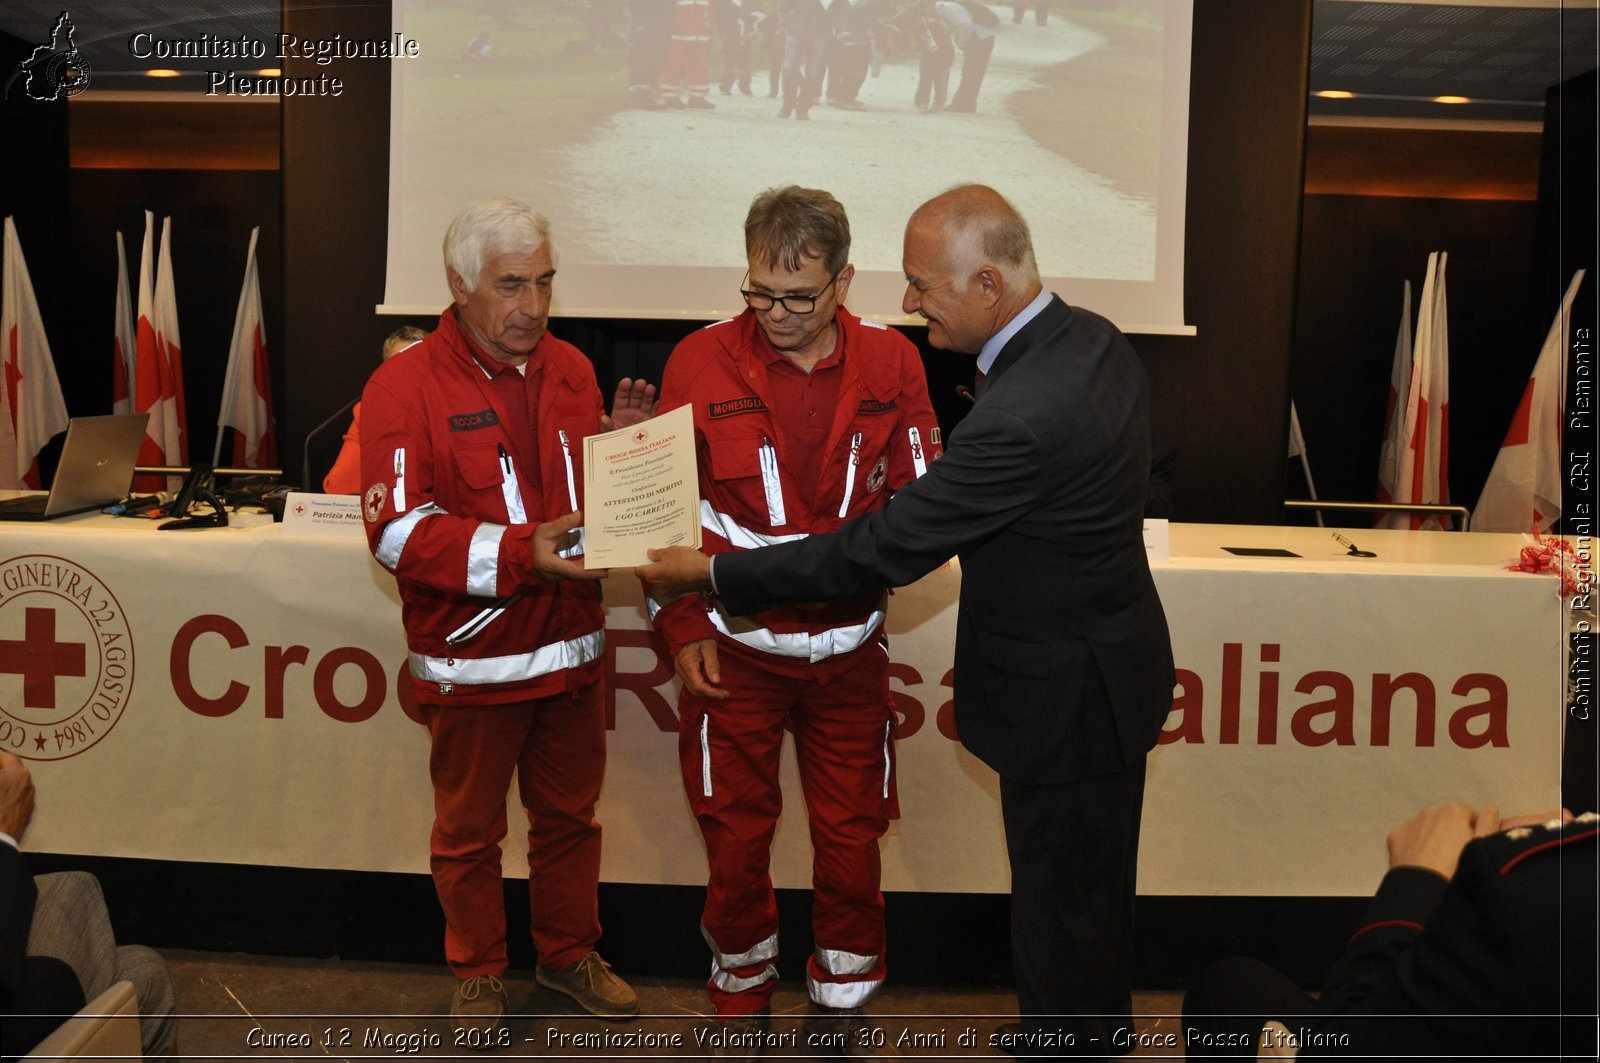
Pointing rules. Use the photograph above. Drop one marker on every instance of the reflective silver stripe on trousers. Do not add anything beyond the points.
(483, 560)
(705, 771)
(843, 994)
(760, 952)
(732, 983)
(888, 764)
(392, 543)
(814, 648)
(509, 669)
(737, 534)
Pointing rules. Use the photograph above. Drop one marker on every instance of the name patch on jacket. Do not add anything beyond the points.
(872, 406)
(731, 407)
(466, 422)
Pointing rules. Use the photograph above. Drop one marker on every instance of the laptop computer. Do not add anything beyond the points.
(95, 470)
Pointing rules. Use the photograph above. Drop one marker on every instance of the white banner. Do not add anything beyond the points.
(231, 695)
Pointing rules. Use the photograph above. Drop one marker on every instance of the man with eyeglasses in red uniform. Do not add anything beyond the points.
(805, 415)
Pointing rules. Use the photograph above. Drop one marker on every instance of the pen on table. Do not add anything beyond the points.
(132, 505)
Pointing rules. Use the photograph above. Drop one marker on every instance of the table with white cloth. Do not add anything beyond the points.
(234, 695)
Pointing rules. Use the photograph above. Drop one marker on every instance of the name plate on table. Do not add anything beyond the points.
(1157, 540)
(336, 516)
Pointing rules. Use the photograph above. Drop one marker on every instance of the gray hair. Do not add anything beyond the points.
(789, 224)
(401, 338)
(983, 227)
(493, 227)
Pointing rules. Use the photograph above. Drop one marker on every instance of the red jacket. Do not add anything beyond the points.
(451, 503)
(883, 435)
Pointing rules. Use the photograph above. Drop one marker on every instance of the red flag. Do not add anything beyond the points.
(158, 375)
(247, 386)
(1425, 459)
(1399, 384)
(1523, 492)
(33, 408)
(122, 340)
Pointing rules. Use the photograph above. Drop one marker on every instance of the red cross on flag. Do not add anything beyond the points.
(247, 386)
(1523, 493)
(31, 407)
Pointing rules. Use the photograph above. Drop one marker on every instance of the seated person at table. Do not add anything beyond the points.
(57, 949)
(1479, 942)
(345, 476)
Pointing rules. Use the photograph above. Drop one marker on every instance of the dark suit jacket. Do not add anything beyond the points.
(1498, 962)
(1063, 664)
(36, 992)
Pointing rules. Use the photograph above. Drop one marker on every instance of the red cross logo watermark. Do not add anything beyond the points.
(66, 657)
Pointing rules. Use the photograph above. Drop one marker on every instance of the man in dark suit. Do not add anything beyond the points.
(1063, 664)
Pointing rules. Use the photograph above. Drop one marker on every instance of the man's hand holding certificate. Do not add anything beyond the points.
(641, 490)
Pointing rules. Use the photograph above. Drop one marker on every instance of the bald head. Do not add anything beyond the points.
(969, 266)
(982, 229)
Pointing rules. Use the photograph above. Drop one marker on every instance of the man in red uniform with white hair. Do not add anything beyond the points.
(469, 449)
(805, 415)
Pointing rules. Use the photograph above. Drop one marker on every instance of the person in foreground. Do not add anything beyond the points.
(833, 411)
(57, 948)
(1063, 669)
(469, 446)
(1481, 941)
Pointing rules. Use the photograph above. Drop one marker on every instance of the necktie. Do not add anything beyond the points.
(978, 383)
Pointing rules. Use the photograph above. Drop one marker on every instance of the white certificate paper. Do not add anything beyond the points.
(641, 490)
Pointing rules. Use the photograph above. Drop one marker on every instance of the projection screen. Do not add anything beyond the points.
(1080, 119)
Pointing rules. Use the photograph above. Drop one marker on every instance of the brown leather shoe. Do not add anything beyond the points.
(739, 1037)
(850, 1031)
(477, 1013)
(592, 984)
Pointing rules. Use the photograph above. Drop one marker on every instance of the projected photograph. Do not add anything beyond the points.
(643, 128)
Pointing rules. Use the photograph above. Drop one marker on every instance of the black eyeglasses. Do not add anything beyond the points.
(794, 304)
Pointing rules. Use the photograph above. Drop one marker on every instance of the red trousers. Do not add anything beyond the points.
(843, 735)
(557, 748)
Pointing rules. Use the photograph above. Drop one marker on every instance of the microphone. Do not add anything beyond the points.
(305, 452)
(965, 392)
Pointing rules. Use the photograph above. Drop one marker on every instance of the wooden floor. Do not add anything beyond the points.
(237, 1006)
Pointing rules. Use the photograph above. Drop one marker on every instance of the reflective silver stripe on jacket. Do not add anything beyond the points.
(771, 485)
(736, 534)
(511, 490)
(542, 661)
(850, 475)
(483, 560)
(843, 994)
(760, 952)
(392, 543)
(919, 460)
(814, 648)
(576, 538)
